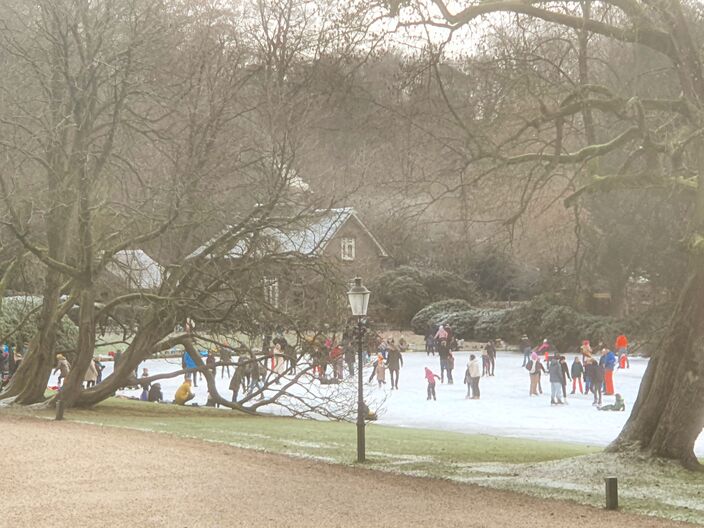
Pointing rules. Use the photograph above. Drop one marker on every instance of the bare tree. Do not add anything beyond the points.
(659, 140)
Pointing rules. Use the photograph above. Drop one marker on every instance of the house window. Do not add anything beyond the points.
(271, 291)
(348, 249)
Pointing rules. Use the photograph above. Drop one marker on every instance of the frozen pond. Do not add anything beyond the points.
(505, 409)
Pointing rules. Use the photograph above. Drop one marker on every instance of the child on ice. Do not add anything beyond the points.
(430, 376)
(618, 405)
(380, 370)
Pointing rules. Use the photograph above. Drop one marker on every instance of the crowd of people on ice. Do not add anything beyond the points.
(590, 372)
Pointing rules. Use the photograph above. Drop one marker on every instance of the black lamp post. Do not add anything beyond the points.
(359, 301)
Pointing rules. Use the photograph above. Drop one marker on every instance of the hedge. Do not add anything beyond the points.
(13, 312)
(563, 326)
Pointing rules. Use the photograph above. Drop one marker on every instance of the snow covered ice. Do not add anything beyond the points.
(505, 409)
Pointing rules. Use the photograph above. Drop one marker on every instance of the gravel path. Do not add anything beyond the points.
(74, 475)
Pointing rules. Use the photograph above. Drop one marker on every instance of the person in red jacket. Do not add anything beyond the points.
(430, 376)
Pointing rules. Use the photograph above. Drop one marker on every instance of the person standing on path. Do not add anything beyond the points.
(394, 360)
(555, 370)
(577, 370)
(430, 377)
(525, 347)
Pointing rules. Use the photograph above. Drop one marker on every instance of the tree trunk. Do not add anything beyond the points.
(156, 327)
(86, 347)
(29, 383)
(668, 415)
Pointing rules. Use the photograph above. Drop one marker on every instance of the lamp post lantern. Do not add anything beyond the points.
(359, 301)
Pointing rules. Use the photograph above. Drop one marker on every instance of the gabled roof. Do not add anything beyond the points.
(136, 267)
(309, 239)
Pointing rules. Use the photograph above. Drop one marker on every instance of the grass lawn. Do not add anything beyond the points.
(331, 441)
(545, 469)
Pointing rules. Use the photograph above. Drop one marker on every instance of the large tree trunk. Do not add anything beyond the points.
(29, 383)
(668, 415)
(86, 347)
(157, 325)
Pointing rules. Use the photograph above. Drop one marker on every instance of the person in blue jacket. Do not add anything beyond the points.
(610, 361)
(188, 363)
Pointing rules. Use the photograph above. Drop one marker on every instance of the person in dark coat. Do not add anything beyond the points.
(577, 370)
(595, 373)
(565, 375)
(225, 360)
(155, 394)
(525, 347)
(394, 361)
(444, 353)
(556, 377)
(491, 352)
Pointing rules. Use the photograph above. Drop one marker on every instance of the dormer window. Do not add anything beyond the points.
(348, 249)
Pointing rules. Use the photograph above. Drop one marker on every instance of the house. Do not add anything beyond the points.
(337, 236)
(130, 270)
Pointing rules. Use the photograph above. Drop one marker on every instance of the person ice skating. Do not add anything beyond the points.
(595, 374)
(544, 349)
(565, 376)
(485, 363)
(618, 405)
(430, 343)
(535, 369)
(99, 367)
(491, 352)
(623, 362)
(188, 363)
(62, 367)
(450, 368)
(348, 353)
(145, 385)
(585, 350)
(210, 361)
(225, 360)
(444, 353)
(394, 360)
(525, 347)
(471, 377)
(555, 370)
(380, 370)
(155, 394)
(430, 377)
(621, 345)
(609, 366)
(184, 393)
(91, 375)
(577, 370)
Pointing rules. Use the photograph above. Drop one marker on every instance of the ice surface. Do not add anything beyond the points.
(505, 409)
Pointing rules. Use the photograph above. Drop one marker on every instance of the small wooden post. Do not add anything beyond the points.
(611, 493)
(59, 407)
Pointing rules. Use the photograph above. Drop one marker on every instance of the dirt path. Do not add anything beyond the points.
(74, 475)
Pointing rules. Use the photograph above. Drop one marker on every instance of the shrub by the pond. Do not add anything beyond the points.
(15, 310)
(562, 325)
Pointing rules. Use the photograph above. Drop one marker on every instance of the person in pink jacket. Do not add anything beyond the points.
(430, 376)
